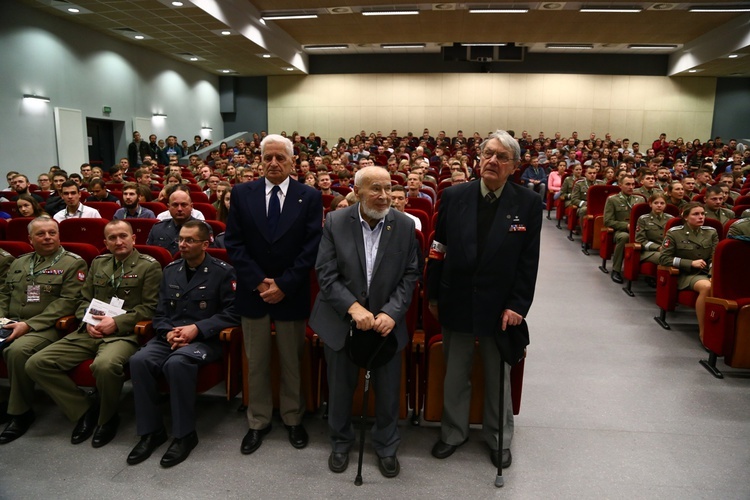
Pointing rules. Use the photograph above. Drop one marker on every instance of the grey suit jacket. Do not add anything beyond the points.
(342, 276)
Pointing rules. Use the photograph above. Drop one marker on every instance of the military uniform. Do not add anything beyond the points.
(566, 190)
(721, 214)
(740, 227)
(680, 204)
(578, 198)
(746, 214)
(682, 246)
(165, 234)
(5, 260)
(649, 233)
(647, 193)
(38, 291)
(617, 216)
(206, 300)
(135, 281)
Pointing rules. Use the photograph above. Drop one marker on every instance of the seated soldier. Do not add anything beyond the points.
(40, 288)
(727, 180)
(617, 216)
(649, 230)
(581, 188)
(74, 209)
(166, 232)
(702, 180)
(566, 191)
(714, 198)
(186, 338)
(676, 194)
(663, 177)
(740, 227)
(648, 185)
(124, 278)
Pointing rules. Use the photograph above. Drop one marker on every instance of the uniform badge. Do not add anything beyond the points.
(81, 276)
(234, 286)
(203, 304)
(171, 303)
(666, 243)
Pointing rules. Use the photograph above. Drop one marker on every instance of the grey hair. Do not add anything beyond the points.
(41, 218)
(506, 140)
(280, 139)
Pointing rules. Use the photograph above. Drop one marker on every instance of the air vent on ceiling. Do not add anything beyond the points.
(551, 6)
(444, 6)
(662, 6)
(339, 10)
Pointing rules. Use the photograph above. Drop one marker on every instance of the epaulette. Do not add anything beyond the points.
(102, 256)
(709, 227)
(74, 255)
(676, 228)
(173, 263)
(219, 262)
(24, 255)
(147, 257)
(4, 253)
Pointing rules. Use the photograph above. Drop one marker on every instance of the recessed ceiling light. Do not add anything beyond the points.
(692, 71)
(178, 4)
(73, 10)
(610, 11)
(266, 56)
(226, 70)
(570, 46)
(284, 17)
(226, 32)
(139, 37)
(193, 58)
(637, 46)
(402, 45)
(498, 11)
(733, 56)
(289, 68)
(390, 13)
(719, 10)
(326, 47)
(484, 44)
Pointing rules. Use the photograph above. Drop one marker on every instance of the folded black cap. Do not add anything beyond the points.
(368, 349)
(512, 342)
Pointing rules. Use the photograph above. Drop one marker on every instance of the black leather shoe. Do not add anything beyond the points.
(179, 450)
(444, 450)
(85, 427)
(389, 466)
(17, 427)
(253, 439)
(146, 446)
(298, 436)
(616, 277)
(338, 462)
(507, 458)
(106, 432)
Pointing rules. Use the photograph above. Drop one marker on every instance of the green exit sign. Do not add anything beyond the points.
(106, 110)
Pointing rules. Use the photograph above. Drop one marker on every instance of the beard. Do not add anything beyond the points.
(373, 213)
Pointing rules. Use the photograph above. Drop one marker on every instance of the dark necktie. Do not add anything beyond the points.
(490, 197)
(274, 210)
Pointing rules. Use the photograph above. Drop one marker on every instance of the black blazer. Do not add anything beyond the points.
(288, 257)
(471, 293)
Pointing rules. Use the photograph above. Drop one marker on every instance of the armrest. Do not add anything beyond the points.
(67, 324)
(144, 330)
(607, 230)
(729, 305)
(417, 342)
(672, 271)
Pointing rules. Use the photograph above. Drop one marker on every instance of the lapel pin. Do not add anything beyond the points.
(387, 228)
(299, 201)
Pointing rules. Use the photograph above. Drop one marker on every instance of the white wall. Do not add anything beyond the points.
(82, 69)
(637, 107)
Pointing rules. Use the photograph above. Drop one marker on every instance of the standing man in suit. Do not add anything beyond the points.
(196, 302)
(272, 237)
(367, 268)
(482, 273)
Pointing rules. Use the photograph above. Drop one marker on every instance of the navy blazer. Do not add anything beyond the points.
(341, 269)
(288, 257)
(471, 293)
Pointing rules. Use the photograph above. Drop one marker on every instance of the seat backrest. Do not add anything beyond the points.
(219, 253)
(738, 209)
(743, 200)
(3, 228)
(423, 217)
(161, 254)
(597, 196)
(16, 248)
(106, 209)
(86, 251)
(10, 207)
(217, 227)
(728, 279)
(89, 231)
(637, 210)
(141, 228)
(18, 229)
(155, 206)
(208, 210)
(420, 204)
(199, 197)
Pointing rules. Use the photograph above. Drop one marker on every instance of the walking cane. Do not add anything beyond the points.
(499, 482)
(366, 350)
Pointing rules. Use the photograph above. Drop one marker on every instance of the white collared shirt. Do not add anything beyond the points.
(82, 212)
(371, 237)
(284, 186)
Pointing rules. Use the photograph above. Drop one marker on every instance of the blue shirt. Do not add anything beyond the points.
(371, 237)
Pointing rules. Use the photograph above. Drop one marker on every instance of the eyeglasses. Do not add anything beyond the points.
(487, 154)
(189, 241)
